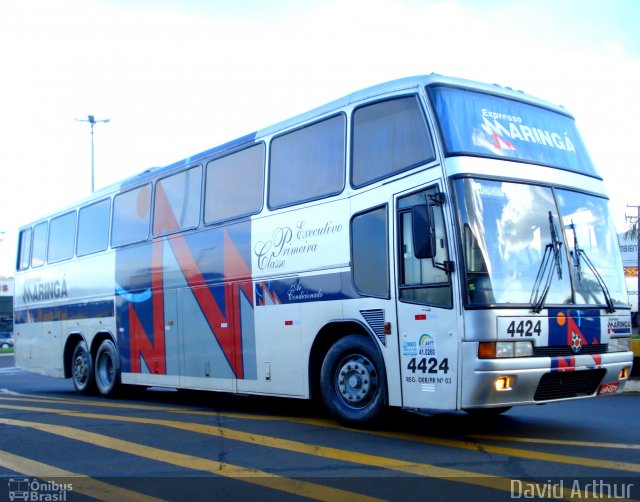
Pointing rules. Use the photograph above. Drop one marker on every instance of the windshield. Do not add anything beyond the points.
(517, 246)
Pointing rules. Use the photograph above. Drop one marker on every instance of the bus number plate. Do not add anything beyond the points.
(522, 327)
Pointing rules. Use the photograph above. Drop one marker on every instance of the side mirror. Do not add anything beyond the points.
(424, 232)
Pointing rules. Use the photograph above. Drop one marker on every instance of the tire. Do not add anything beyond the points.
(352, 381)
(107, 369)
(82, 369)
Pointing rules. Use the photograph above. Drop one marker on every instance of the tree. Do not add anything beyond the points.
(632, 232)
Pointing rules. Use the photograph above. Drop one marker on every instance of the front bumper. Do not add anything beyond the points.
(538, 380)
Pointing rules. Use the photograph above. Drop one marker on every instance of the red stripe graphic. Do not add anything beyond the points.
(225, 326)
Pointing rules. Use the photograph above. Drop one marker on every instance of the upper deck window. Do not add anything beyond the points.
(131, 215)
(62, 234)
(93, 228)
(39, 246)
(235, 185)
(308, 163)
(24, 251)
(177, 202)
(476, 123)
(389, 137)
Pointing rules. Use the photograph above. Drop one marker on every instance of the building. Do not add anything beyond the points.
(629, 251)
(6, 304)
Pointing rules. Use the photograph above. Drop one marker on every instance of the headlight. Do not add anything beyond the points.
(492, 350)
(619, 344)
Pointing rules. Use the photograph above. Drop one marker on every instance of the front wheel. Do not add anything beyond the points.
(107, 370)
(82, 369)
(352, 380)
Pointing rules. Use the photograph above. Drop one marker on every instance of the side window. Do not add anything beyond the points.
(389, 137)
(62, 237)
(131, 215)
(425, 281)
(39, 247)
(93, 228)
(177, 202)
(308, 164)
(235, 185)
(369, 257)
(24, 249)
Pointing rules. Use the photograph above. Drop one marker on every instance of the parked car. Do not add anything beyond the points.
(6, 340)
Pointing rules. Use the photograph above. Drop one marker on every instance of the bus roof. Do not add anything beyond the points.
(406, 83)
(402, 84)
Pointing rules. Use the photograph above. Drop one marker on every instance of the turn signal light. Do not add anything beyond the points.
(487, 350)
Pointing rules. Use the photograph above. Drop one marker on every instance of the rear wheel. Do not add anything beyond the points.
(352, 380)
(107, 370)
(82, 369)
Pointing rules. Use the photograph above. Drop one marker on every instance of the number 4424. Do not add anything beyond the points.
(428, 365)
(524, 328)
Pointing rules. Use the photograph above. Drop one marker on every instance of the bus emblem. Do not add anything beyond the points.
(576, 342)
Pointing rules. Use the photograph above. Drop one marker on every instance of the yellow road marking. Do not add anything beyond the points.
(451, 443)
(425, 470)
(98, 404)
(80, 483)
(563, 442)
(467, 445)
(513, 452)
(253, 476)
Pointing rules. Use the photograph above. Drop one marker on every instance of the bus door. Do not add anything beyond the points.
(427, 321)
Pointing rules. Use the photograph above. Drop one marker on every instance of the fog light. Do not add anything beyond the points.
(503, 383)
(624, 373)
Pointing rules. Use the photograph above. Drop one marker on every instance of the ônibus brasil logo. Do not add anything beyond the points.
(35, 490)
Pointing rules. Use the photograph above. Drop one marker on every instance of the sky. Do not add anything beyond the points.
(179, 77)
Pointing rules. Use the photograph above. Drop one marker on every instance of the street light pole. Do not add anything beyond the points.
(92, 121)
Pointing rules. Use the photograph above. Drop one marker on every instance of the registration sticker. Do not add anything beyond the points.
(608, 388)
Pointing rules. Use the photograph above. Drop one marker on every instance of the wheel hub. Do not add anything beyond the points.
(356, 382)
(80, 369)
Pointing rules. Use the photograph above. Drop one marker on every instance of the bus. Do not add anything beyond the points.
(430, 243)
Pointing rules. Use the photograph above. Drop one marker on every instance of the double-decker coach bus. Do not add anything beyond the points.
(429, 243)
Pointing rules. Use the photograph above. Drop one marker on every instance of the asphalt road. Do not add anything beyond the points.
(168, 445)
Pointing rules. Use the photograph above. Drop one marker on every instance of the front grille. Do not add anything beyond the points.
(561, 385)
(563, 350)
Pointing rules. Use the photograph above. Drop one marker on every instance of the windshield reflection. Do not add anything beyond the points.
(512, 256)
(593, 247)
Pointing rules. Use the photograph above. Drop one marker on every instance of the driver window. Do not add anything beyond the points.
(424, 281)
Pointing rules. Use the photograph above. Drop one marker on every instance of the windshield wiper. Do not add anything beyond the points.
(550, 260)
(580, 253)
